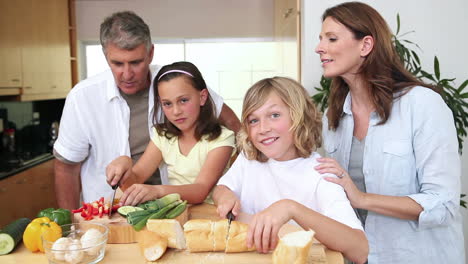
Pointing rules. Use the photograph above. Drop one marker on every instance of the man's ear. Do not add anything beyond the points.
(367, 45)
(203, 96)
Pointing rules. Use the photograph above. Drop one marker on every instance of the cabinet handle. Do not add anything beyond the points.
(3, 190)
(53, 86)
(288, 12)
(44, 187)
(15, 80)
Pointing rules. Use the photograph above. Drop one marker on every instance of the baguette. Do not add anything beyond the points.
(237, 238)
(169, 229)
(293, 248)
(204, 235)
(152, 245)
(220, 233)
(199, 235)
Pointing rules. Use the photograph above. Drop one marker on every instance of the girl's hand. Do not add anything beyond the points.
(264, 227)
(139, 193)
(329, 165)
(119, 170)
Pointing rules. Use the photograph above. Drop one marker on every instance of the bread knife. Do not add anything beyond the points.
(229, 217)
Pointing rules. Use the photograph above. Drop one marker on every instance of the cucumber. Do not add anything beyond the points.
(12, 234)
(124, 210)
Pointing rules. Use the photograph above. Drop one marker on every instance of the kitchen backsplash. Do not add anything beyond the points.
(31, 122)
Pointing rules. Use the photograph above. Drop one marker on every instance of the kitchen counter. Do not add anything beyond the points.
(27, 165)
(130, 253)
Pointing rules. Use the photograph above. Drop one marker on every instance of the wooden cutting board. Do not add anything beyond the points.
(206, 211)
(121, 232)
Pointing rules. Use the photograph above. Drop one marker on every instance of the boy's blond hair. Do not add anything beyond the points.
(306, 120)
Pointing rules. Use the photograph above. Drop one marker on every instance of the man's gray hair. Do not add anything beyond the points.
(126, 30)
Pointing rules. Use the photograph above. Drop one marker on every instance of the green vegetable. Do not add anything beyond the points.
(139, 218)
(162, 213)
(59, 216)
(176, 211)
(161, 202)
(124, 210)
(11, 235)
(134, 217)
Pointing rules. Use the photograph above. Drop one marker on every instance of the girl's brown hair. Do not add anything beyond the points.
(306, 120)
(207, 123)
(382, 70)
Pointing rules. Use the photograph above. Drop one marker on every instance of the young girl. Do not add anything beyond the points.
(272, 178)
(190, 141)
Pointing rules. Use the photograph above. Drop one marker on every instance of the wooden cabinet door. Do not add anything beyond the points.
(287, 36)
(28, 192)
(10, 43)
(46, 49)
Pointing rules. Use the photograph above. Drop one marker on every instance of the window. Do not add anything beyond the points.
(229, 67)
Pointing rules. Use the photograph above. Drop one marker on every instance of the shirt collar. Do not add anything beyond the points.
(347, 104)
(113, 90)
(374, 117)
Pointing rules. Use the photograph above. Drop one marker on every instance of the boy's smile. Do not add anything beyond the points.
(269, 129)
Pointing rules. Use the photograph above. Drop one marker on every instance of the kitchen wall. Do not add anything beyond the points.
(194, 19)
(437, 26)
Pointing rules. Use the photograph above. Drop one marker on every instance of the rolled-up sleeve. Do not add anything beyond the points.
(72, 142)
(437, 161)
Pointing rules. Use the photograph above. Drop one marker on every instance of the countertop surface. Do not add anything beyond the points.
(130, 253)
(27, 165)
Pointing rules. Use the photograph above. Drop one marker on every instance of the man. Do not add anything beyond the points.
(111, 114)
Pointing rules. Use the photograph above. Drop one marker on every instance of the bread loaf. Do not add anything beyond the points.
(152, 245)
(237, 238)
(199, 235)
(207, 235)
(293, 248)
(169, 229)
(220, 233)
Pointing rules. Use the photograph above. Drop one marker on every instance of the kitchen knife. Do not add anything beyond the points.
(114, 188)
(229, 217)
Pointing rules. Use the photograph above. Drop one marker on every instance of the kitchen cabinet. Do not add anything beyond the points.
(288, 36)
(35, 56)
(26, 193)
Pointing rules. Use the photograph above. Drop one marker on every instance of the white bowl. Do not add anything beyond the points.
(81, 243)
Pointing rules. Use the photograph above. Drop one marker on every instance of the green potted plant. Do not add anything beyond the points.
(453, 96)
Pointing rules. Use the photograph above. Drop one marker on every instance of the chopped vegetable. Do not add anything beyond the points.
(95, 209)
(11, 235)
(124, 210)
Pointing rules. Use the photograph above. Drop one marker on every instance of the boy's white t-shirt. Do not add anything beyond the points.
(260, 184)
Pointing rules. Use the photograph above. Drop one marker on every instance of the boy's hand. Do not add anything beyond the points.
(264, 227)
(226, 201)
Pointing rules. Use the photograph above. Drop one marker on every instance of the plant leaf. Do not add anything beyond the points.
(398, 23)
(436, 68)
(462, 86)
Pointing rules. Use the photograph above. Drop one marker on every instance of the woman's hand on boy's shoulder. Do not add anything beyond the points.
(329, 165)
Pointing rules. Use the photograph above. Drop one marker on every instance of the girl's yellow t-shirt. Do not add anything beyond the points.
(185, 169)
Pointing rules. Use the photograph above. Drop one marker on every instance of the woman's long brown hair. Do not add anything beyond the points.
(382, 70)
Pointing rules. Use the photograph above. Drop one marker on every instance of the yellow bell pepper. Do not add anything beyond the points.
(38, 227)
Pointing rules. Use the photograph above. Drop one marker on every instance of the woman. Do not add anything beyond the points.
(392, 141)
